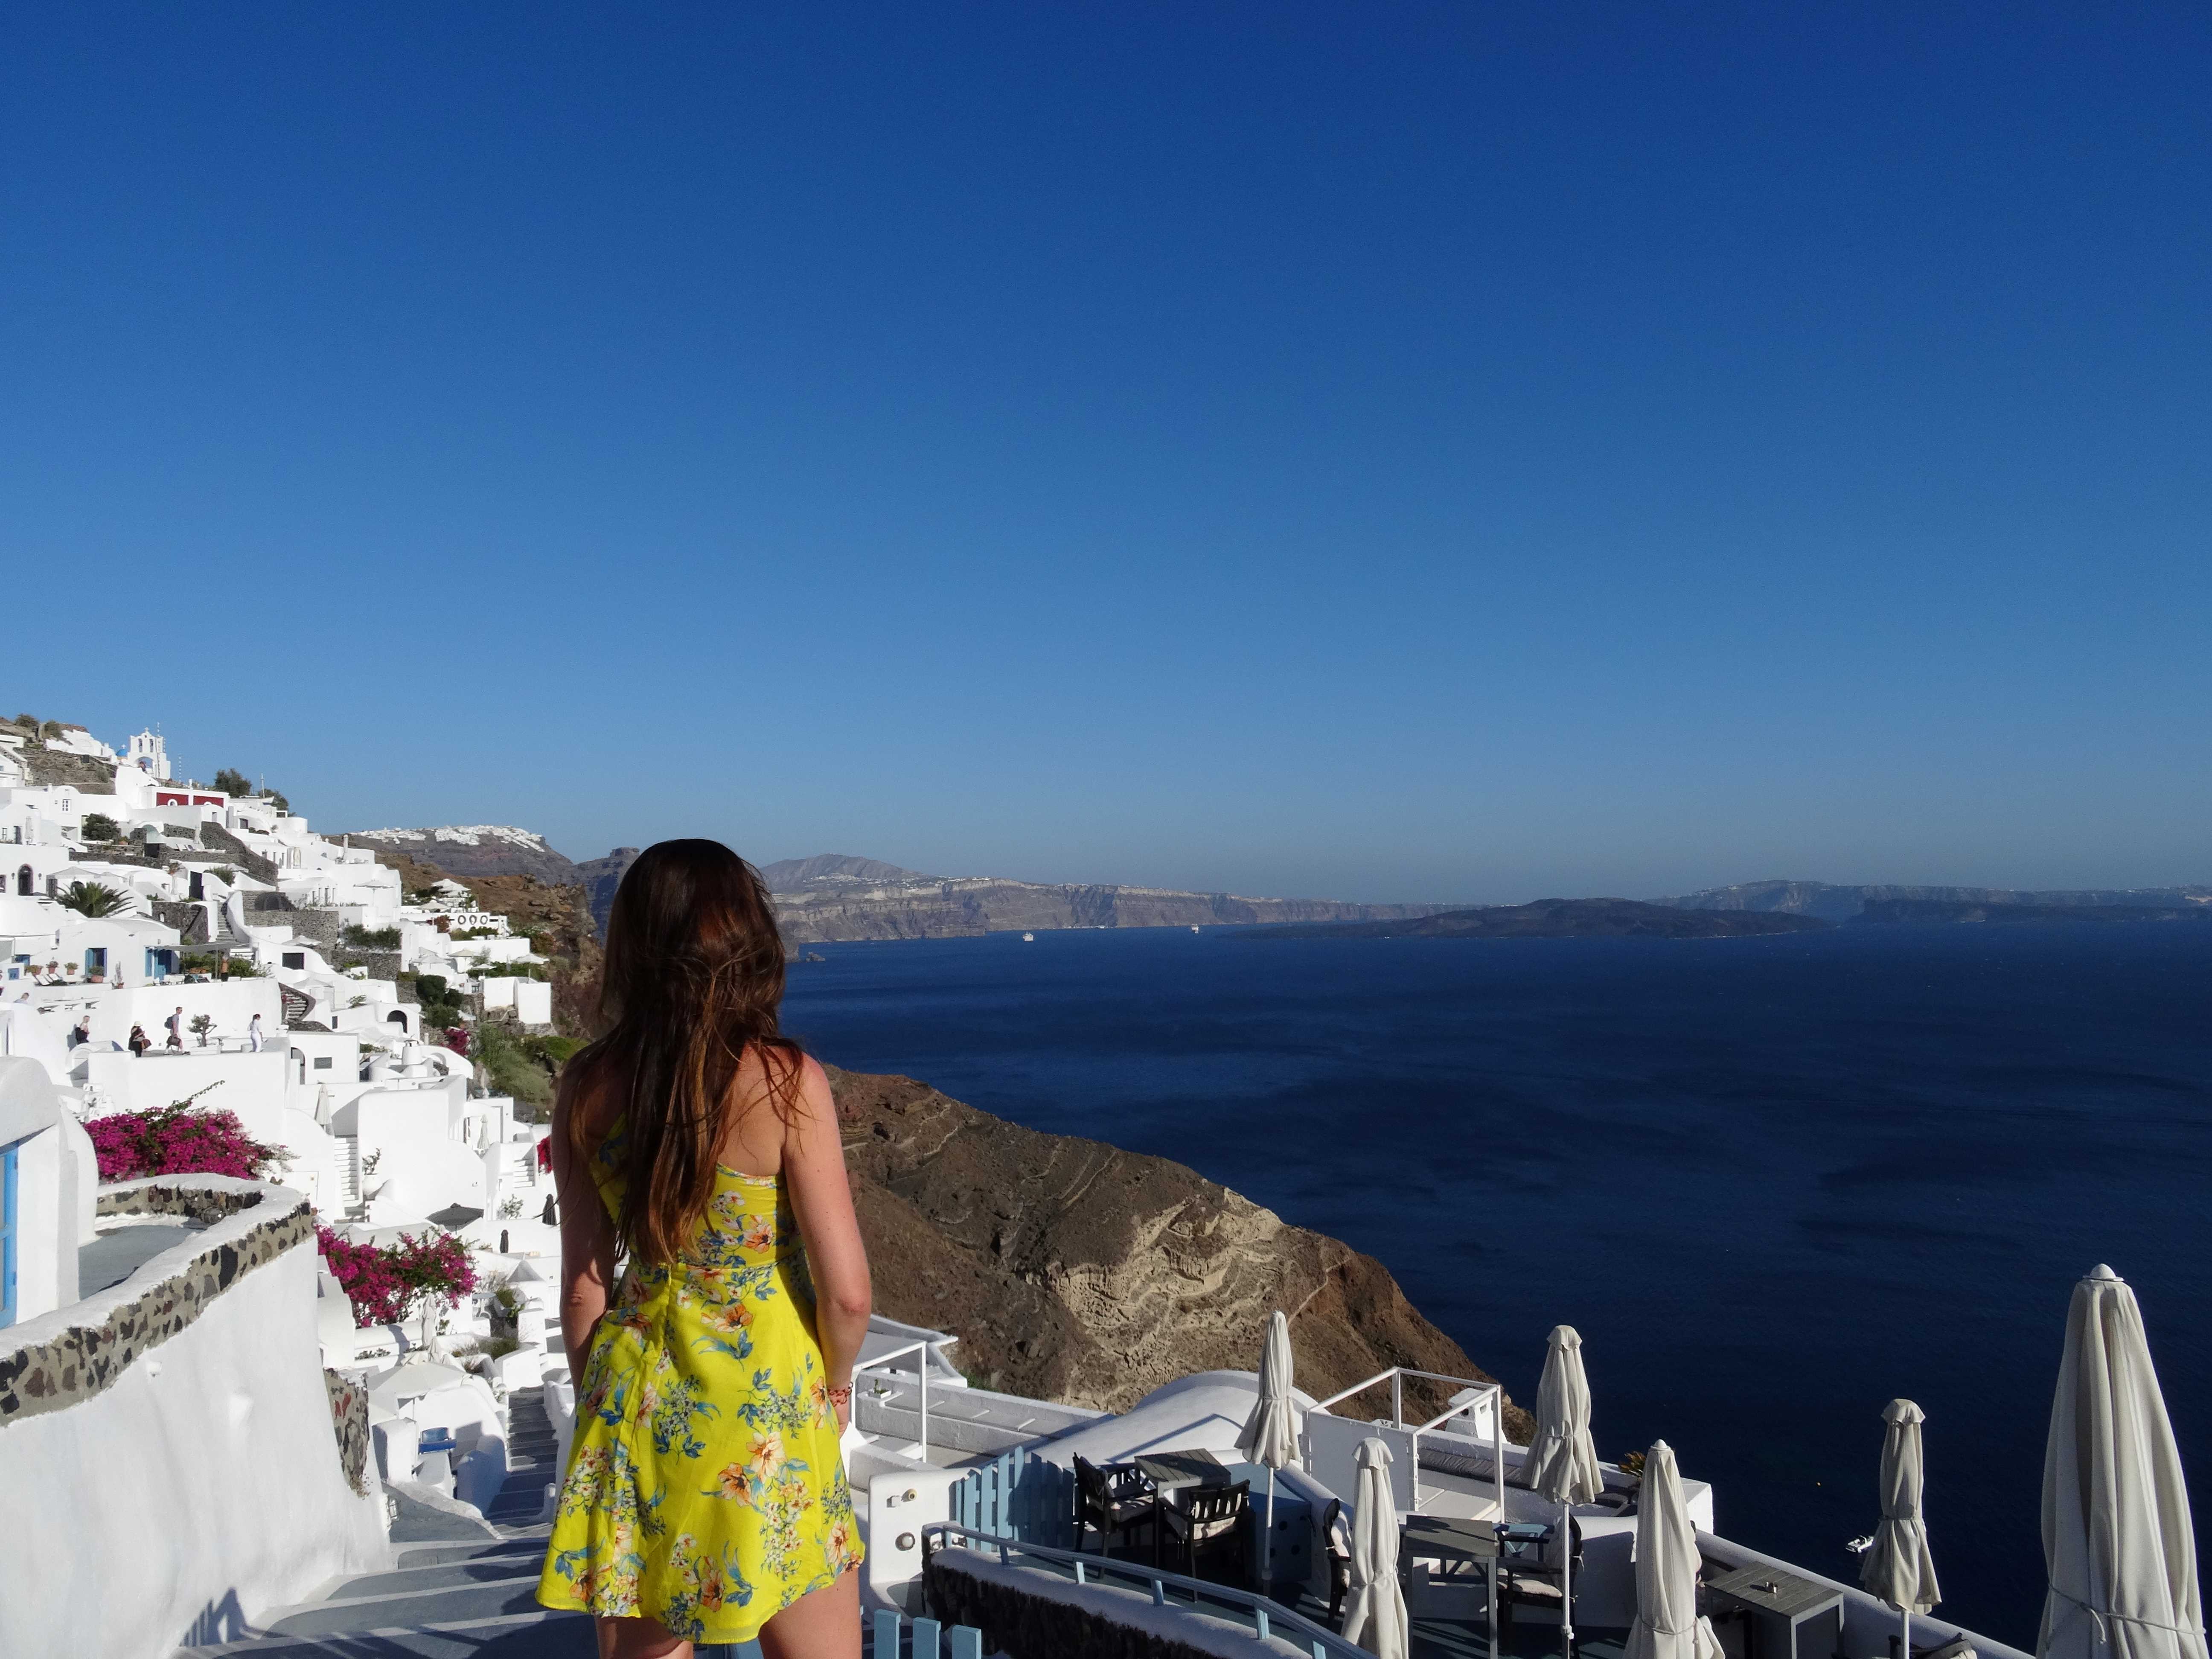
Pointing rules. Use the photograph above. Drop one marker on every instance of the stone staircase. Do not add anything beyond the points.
(530, 1449)
(450, 1598)
(459, 1588)
(349, 1162)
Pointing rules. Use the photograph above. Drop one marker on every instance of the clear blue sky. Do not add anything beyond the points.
(1459, 452)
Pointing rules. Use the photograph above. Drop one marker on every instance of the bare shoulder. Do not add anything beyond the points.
(814, 1107)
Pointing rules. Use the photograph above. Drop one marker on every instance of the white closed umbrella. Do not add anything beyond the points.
(2117, 1540)
(1668, 1626)
(1270, 1434)
(1562, 1462)
(1375, 1616)
(1898, 1567)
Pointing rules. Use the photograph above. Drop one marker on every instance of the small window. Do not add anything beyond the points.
(295, 959)
(322, 1062)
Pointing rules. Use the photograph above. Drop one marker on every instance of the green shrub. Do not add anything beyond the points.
(509, 1067)
(98, 826)
(372, 939)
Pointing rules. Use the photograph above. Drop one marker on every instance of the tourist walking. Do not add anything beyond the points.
(253, 1034)
(80, 1032)
(705, 1499)
(140, 1043)
(176, 1024)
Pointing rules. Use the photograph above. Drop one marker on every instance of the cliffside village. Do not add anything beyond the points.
(212, 1441)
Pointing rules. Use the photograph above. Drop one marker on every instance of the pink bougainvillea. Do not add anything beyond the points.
(179, 1139)
(384, 1281)
(457, 1038)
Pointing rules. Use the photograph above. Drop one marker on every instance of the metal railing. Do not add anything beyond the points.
(882, 1363)
(1268, 1617)
(1395, 1377)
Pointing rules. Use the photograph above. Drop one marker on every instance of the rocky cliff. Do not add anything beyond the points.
(1072, 1270)
(930, 908)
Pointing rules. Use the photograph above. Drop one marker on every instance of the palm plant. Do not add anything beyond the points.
(91, 898)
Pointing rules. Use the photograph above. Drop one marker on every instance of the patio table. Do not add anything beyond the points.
(1454, 1543)
(1173, 1471)
(1776, 1606)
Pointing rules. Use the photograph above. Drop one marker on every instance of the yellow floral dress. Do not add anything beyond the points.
(705, 1485)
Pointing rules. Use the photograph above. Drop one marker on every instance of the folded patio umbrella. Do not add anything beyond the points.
(1562, 1463)
(1898, 1567)
(1375, 1616)
(1270, 1434)
(2117, 1542)
(1667, 1625)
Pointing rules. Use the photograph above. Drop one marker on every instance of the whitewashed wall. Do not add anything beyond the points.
(231, 1004)
(199, 1490)
(255, 1087)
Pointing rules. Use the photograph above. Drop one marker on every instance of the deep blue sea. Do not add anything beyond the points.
(1774, 1182)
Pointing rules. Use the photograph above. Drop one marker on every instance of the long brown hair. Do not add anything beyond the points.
(694, 974)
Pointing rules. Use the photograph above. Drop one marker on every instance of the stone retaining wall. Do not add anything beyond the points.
(350, 1418)
(61, 1368)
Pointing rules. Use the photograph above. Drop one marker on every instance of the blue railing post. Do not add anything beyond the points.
(885, 1644)
(926, 1632)
(964, 1642)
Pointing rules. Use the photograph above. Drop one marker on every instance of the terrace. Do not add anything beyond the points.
(985, 1519)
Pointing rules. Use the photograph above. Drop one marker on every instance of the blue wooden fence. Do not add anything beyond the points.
(925, 1639)
(1019, 1497)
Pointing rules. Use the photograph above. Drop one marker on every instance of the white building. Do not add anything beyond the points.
(149, 755)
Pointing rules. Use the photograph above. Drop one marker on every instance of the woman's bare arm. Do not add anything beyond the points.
(822, 1196)
(587, 1242)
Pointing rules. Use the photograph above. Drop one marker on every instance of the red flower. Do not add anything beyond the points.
(383, 1282)
(178, 1138)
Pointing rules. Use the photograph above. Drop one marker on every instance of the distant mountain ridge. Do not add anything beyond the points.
(1834, 903)
(832, 897)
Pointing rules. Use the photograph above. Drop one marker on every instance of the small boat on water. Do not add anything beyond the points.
(1029, 939)
(1194, 927)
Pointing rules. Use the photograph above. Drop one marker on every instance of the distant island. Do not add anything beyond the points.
(1925, 911)
(1592, 918)
(1833, 903)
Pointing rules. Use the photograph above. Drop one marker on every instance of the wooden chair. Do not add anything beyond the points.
(1340, 1562)
(1208, 1523)
(1117, 1500)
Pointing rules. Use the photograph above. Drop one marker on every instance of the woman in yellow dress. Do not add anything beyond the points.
(695, 1148)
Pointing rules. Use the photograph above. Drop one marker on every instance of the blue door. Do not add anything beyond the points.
(8, 1225)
